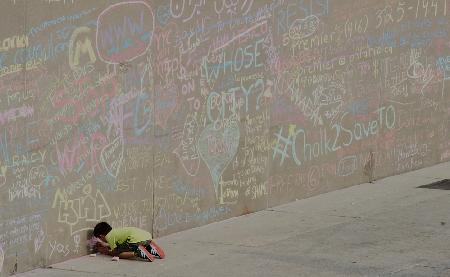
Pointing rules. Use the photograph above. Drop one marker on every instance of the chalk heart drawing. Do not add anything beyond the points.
(217, 147)
(303, 28)
(111, 156)
(124, 31)
(187, 151)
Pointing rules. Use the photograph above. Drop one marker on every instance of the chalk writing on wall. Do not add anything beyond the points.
(167, 115)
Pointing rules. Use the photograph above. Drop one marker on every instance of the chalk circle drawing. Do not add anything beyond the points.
(314, 179)
(416, 68)
(187, 151)
(111, 156)
(417, 71)
(177, 8)
(217, 148)
(124, 31)
(163, 14)
(231, 7)
(2, 258)
(303, 28)
(36, 174)
(346, 166)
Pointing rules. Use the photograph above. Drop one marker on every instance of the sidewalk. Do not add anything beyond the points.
(388, 228)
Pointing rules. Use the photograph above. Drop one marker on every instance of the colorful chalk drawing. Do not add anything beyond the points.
(188, 111)
(76, 212)
(303, 28)
(80, 44)
(124, 31)
(111, 156)
(217, 147)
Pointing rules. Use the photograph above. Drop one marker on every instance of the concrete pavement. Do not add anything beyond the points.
(386, 228)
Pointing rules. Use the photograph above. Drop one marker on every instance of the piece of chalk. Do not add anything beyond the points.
(116, 259)
(92, 255)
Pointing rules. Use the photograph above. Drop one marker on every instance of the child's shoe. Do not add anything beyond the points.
(156, 251)
(143, 253)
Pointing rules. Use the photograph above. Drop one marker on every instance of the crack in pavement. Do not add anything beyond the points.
(225, 243)
(91, 272)
(345, 216)
(281, 211)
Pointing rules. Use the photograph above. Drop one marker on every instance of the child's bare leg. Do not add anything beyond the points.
(127, 255)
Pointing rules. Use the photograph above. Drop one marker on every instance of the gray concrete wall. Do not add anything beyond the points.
(168, 115)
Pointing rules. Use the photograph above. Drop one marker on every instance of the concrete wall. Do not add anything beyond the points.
(167, 115)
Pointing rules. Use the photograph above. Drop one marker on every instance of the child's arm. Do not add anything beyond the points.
(106, 250)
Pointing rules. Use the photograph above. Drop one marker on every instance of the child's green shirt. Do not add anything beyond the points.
(119, 236)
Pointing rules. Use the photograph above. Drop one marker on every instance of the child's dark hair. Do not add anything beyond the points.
(102, 228)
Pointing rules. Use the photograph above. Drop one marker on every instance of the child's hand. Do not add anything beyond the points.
(102, 243)
(103, 249)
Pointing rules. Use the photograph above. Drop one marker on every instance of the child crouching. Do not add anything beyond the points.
(127, 243)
